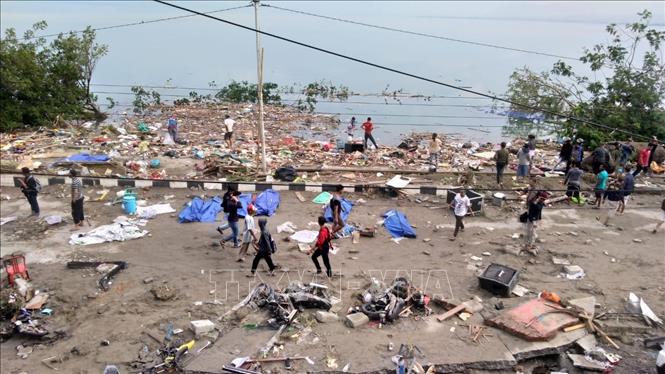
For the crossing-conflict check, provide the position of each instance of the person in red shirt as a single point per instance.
(642, 161)
(321, 248)
(368, 126)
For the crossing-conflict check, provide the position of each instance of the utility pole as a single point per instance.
(259, 74)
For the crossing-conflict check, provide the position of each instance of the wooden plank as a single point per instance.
(574, 327)
(300, 197)
(450, 313)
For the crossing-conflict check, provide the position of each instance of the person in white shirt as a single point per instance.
(228, 135)
(248, 235)
(461, 205)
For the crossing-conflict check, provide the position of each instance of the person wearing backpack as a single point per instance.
(30, 187)
(321, 247)
(266, 248)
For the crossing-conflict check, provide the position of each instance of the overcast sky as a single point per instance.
(194, 51)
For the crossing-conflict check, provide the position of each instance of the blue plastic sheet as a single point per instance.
(199, 210)
(346, 210)
(87, 158)
(266, 203)
(397, 225)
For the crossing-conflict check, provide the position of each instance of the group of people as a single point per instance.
(262, 242)
(367, 127)
(31, 188)
(228, 125)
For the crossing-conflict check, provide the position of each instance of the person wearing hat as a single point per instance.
(248, 235)
(30, 188)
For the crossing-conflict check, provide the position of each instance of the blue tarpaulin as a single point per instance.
(266, 203)
(199, 210)
(346, 210)
(87, 158)
(397, 224)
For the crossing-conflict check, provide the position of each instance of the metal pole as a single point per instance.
(259, 74)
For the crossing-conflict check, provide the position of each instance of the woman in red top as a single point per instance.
(642, 161)
(321, 248)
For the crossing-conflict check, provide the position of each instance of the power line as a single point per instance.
(421, 33)
(400, 72)
(135, 23)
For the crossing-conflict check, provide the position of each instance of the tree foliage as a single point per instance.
(245, 92)
(629, 94)
(42, 81)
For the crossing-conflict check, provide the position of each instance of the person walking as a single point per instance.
(321, 247)
(565, 154)
(30, 187)
(523, 162)
(578, 151)
(460, 205)
(662, 217)
(266, 248)
(628, 187)
(600, 156)
(501, 157)
(172, 127)
(232, 207)
(573, 183)
(601, 186)
(653, 145)
(368, 126)
(643, 161)
(228, 134)
(614, 196)
(336, 208)
(627, 150)
(77, 199)
(351, 128)
(248, 235)
(535, 203)
(435, 150)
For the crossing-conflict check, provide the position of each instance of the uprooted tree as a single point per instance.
(629, 97)
(44, 82)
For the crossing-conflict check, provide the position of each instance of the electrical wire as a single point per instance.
(407, 74)
(421, 33)
(135, 23)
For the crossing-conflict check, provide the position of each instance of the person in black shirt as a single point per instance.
(232, 206)
(30, 188)
(336, 207)
(266, 248)
(225, 199)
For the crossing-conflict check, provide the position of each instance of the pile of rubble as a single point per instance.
(138, 146)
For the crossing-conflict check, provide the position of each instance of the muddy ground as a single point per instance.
(188, 258)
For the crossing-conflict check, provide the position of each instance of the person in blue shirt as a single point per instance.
(627, 150)
(172, 127)
(601, 185)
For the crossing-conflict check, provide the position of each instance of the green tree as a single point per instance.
(245, 92)
(630, 97)
(42, 82)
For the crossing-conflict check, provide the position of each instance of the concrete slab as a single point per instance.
(588, 304)
(524, 350)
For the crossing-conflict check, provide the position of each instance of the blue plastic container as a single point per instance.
(129, 204)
